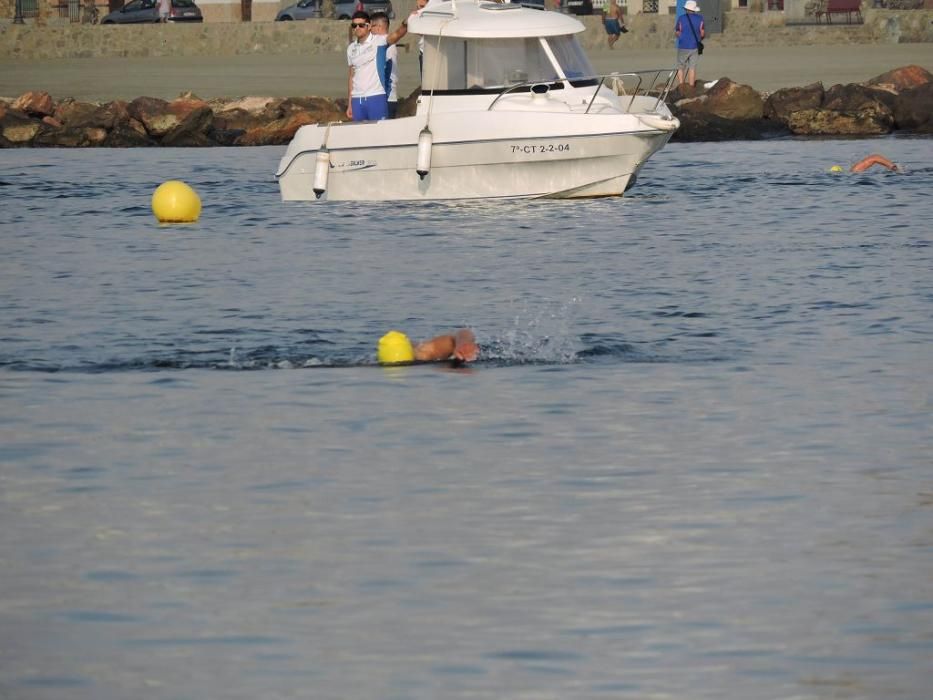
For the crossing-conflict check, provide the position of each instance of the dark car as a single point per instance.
(143, 11)
(578, 7)
(309, 9)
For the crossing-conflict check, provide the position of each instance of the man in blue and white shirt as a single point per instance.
(366, 94)
(386, 62)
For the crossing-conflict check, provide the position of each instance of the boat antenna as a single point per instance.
(437, 73)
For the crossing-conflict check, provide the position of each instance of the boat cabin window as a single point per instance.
(571, 57)
(482, 64)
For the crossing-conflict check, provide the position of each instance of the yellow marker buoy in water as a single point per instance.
(394, 348)
(174, 202)
(836, 169)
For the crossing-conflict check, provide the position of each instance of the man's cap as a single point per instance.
(691, 6)
(394, 348)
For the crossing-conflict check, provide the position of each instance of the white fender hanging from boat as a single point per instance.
(321, 171)
(425, 143)
(661, 122)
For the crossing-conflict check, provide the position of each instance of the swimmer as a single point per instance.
(875, 159)
(395, 348)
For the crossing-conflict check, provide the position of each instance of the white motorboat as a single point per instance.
(509, 107)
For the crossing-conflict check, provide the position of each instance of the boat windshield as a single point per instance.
(482, 64)
(492, 64)
(570, 56)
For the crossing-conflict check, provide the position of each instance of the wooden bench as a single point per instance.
(838, 7)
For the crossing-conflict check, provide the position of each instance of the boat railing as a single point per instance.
(646, 83)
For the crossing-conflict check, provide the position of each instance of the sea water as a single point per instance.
(694, 460)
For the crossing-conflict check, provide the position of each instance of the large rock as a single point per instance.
(847, 110)
(848, 98)
(253, 105)
(701, 126)
(275, 133)
(781, 103)
(18, 129)
(247, 112)
(726, 99)
(70, 111)
(731, 100)
(193, 129)
(87, 115)
(322, 110)
(225, 137)
(685, 92)
(903, 78)
(65, 137)
(125, 135)
(235, 120)
(829, 122)
(154, 114)
(913, 109)
(35, 104)
(185, 104)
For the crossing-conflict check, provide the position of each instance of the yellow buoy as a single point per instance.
(174, 202)
(836, 169)
(394, 348)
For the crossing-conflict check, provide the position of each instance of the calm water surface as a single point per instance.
(694, 461)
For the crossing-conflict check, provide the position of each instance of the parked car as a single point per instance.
(306, 9)
(309, 9)
(141, 11)
(577, 7)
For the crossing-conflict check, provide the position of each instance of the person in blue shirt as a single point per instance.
(690, 32)
(678, 11)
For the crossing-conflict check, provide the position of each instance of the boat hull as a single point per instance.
(520, 163)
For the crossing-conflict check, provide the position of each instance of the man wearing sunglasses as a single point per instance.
(366, 93)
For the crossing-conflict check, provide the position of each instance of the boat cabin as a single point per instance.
(474, 48)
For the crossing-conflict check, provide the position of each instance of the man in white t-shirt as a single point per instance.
(388, 66)
(366, 94)
(165, 9)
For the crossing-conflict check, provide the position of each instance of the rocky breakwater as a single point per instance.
(35, 119)
(899, 100)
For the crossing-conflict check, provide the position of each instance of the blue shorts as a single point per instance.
(613, 28)
(371, 108)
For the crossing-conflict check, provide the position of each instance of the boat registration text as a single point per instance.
(541, 148)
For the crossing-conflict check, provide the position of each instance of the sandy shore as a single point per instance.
(765, 69)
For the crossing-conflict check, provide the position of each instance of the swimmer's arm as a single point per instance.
(874, 159)
(459, 346)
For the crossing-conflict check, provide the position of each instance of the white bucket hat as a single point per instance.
(691, 6)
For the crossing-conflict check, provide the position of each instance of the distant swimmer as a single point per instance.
(395, 348)
(875, 159)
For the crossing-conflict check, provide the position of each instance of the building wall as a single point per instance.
(231, 10)
(265, 10)
(301, 38)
